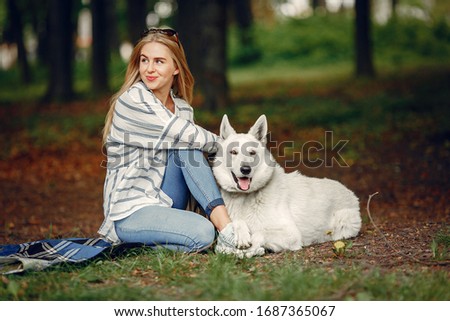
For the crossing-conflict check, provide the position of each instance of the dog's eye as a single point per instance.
(233, 152)
(253, 152)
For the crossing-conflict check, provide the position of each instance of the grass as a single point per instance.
(440, 246)
(162, 275)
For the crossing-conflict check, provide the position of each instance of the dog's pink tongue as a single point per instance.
(244, 183)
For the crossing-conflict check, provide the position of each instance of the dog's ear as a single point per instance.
(259, 129)
(225, 128)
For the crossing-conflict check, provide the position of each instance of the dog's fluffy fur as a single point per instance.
(274, 210)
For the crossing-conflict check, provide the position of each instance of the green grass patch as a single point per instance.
(50, 131)
(162, 275)
(440, 246)
(61, 129)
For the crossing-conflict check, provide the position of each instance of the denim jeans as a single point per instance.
(175, 228)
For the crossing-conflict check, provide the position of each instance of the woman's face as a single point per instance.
(157, 68)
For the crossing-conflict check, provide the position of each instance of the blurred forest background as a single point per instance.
(375, 73)
(63, 48)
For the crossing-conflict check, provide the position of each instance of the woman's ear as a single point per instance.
(176, 72)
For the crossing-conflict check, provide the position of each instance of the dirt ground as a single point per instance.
(58, 193)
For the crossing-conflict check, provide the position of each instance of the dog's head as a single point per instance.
(243, 163)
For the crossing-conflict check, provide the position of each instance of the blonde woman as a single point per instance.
(155, 159)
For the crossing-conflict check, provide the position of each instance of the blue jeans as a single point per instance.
(174, 228)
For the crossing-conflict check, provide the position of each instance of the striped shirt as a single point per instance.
(142, 132)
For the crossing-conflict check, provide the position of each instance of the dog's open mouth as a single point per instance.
(243, 183)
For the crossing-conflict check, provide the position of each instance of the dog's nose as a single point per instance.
(245, 170)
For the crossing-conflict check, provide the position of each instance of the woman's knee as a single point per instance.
(205, 236)
(155, 225)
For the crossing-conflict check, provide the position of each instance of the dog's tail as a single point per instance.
(346, 223)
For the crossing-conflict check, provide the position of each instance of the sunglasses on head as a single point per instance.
(168, 32)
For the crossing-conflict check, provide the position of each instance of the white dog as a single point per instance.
(274, 210)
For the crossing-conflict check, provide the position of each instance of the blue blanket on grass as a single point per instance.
(39, 255)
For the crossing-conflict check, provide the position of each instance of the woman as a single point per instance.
(155, 158)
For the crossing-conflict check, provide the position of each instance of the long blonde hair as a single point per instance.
(183, 85)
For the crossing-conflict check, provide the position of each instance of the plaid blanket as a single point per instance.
(39, 255)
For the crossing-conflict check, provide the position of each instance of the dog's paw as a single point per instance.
(251, 252)
(244, 241)
(260, 251)
(242, 234)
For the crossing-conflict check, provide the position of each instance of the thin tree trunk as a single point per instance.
(214, 53)
(394, 8)
(363, 44)
(136, 14)
(61, 51)
(113, 28)
(189, 31)
(17, 33)
(244, 17)
(318, 4)
(100, 46)
(202, 25)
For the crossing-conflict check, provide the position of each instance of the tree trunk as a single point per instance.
(39, 21)
(214, 53)
(61, 51)
(318, 4)
(136, 14)
(16, 26)
(100, 46)
(189, 30)
(114, 40)
(363, 45)
(248, 51)
(203, 31)
(394, 4)
(244, 16)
